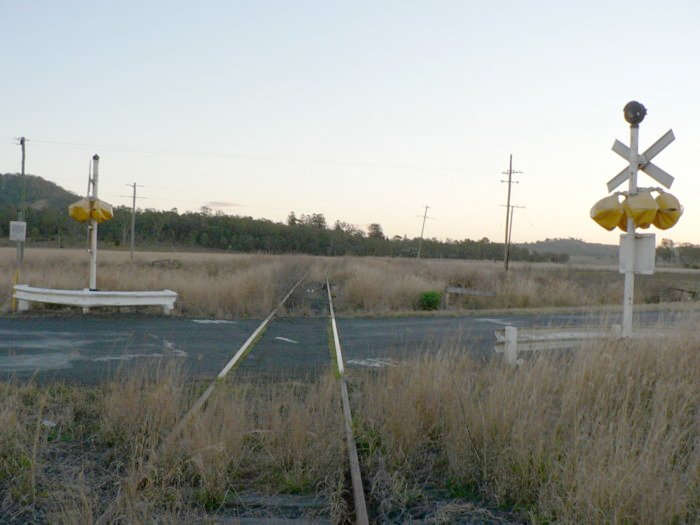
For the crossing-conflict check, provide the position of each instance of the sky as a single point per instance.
(365, 111)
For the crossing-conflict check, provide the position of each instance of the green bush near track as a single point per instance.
(430, 300)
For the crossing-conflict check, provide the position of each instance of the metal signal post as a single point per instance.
(93, 225)
(635, 248)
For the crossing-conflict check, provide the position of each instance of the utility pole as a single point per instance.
(509, 238)
(420, 242)
(133, 220)
(18, 228)
(23, 202)
(510, 182)
(133, 214)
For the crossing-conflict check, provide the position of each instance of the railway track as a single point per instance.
(357, 489)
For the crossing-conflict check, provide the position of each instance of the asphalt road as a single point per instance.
(91, 348)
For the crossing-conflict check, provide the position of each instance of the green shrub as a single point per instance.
(430, 300)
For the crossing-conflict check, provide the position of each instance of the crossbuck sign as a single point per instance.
(643, 162)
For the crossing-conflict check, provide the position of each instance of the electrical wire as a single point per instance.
(267, 158)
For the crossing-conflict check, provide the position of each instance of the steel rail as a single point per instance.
(358, 490)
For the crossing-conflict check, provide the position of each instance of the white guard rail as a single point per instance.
(87, 299)
(510, 341)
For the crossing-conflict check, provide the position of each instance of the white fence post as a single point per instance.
(616, 330)
(511, 346)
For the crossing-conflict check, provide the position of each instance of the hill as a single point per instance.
(575, 249)
(40, 193)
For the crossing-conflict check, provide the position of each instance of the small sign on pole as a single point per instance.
(18, 231)
(637, 253)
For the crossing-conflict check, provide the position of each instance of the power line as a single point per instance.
(269, 158)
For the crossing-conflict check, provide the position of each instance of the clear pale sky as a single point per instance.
(364, 111)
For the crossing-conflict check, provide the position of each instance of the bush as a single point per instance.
(430, 300)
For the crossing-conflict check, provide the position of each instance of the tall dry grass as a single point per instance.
(382, 285)
(269, 438)
(241, 285)
(608, 435)
(218, 285)
(275, 437)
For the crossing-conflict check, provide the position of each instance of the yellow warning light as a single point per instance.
(80, 210)
(623, 222)
(670, 210)
(642, 208)
(607, 212)
(86, 209)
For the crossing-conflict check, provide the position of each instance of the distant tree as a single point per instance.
(317, 220)
(375, 231)
(665, 250)
(292, 219)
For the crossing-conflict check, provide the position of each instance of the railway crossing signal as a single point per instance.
(637, 251)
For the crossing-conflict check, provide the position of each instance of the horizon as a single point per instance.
(365, 113)
(330, 223)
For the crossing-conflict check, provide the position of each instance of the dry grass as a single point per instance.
(609, 435)
(217, 285)
(282, 438)
(382, 285)
(238, 285)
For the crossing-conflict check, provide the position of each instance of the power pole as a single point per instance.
(510, 232)
(133, 215)
(509, 238)
(23, 202)
(510, 182)
(420, 242)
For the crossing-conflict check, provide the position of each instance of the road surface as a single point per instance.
(91, 348)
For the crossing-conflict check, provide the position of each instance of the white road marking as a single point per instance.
(287, 340)
(372, 363)
(213, 321)
(495, 321)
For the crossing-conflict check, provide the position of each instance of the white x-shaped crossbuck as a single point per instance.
(644, 162)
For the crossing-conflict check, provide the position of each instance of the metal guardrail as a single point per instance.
(87, 299)
(510, 341)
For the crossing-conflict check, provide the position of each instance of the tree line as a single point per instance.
(305, 233)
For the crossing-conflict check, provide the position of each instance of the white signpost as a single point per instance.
(637, 251)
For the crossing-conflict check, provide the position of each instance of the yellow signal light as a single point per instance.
(670, 210)
(607, 212)
(642, 208)
(86, 209)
